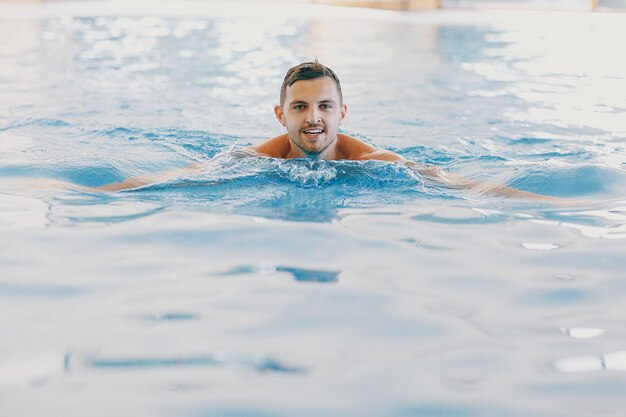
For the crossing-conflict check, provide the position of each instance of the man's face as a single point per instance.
(312, 113)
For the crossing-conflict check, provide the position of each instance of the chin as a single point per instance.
(315, 151)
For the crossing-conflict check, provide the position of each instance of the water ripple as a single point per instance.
(97, 212)
(167, 316)
(38, 290)
(258, 363)
(611, 361)
(38, 122)
(299, 274)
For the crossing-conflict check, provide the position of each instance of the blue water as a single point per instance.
(266, 287)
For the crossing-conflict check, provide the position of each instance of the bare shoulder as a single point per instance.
(277, 147)
(349, 147)
(356, 149)
(361, 151)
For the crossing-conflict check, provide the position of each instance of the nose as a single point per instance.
(313, 117)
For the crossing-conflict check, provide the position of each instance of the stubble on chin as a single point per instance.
(327, 144)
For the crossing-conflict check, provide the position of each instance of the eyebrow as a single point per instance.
(294, 102)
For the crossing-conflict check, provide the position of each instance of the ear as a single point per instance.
(278, 111)
(344, 110)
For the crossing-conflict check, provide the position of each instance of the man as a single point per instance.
(311, 109)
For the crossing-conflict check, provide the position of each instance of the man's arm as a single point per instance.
(142, 180)
(456, 181)
(277, 147)
(134, 182)
(486, 187)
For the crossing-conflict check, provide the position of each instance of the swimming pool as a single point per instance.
(288, 288)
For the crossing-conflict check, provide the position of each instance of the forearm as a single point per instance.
(139, 181)
(481, 187)
(490, 188)
(135, 182)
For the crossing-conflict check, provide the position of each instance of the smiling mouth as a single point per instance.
(313, 133)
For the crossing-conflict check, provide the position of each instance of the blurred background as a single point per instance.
(578, 5)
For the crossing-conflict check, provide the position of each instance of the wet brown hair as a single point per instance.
(308, 71)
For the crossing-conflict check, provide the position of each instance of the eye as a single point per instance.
(325, 106)
(299, 106)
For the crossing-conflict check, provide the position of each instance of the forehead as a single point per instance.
(317, 89)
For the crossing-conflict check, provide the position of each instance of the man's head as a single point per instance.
(311, 108)
(308, 71)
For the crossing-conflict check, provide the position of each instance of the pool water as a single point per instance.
(263, 287)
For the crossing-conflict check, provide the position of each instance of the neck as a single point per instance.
(327, 153)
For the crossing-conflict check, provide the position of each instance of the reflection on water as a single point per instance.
(257, 363)
(581, 332)
(612, 361)
(299, 274)
(291, 288)
(166, 316)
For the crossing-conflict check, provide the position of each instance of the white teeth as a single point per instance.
(312, 132)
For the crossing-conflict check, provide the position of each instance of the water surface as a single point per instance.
(261, 287)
